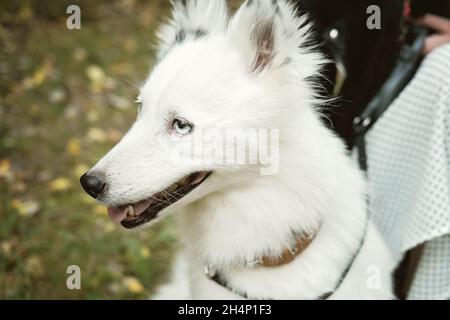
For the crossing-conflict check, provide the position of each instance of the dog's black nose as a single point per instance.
(92, 185)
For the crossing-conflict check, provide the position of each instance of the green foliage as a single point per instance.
(64, 101)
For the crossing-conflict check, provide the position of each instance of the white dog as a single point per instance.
(299, 232)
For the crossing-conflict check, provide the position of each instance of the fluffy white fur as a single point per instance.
(254, 70)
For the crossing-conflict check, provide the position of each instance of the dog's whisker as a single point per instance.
(158, 199)
(165, 194)
(130, 83)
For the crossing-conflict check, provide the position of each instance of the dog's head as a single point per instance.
(213, 73)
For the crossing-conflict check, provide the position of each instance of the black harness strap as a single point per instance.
(405, 68)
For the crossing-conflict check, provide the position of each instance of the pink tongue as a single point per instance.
(118, 214)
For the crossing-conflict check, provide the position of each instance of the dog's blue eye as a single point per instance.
(182, 127)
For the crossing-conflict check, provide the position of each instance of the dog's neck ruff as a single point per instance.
(287, 256)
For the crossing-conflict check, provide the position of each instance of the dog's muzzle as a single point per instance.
(132, 215)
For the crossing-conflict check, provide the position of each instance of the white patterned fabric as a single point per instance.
(408, 153)
(432, 280)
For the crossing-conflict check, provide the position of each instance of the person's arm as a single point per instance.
(441, 26)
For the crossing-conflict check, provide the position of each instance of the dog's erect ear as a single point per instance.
(272, 35)
(191, 20)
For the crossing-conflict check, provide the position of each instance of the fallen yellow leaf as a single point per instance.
(95, 73)
(97, 135)
(60, 184)
(99, 209)
(5, 168)
(145, 252)
(38, 76)
(79, 170)
(110, 227)
(7, 248)
(74, 147)
(25, 208)
(133, 285)
(97, 77)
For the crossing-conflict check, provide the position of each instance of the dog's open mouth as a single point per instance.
(133, 215)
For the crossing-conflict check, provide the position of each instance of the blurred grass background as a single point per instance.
(65, 99)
